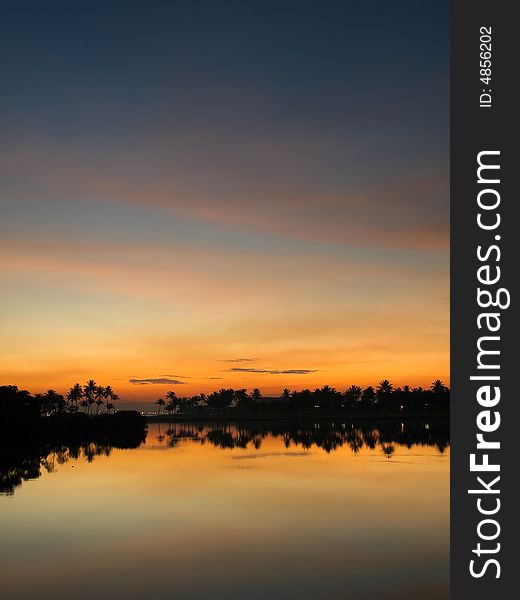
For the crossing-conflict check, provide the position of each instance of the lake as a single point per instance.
(245, 511)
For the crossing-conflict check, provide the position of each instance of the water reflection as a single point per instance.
(24, 458)
(25, 455)
(220, 510)
(327, 435)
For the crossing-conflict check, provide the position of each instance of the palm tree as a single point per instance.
(242, 398)
(368, 396)
(256, 395)
(51, 402)
(182, 404)
(384, 390)
(170, 407)
(99, 396)
(114, 397)
(109, 392)
(74, 396)
(385, 387)
(89, 392)
(286, 394)
(437, 387)
(160, 403)
(173, 402)
(354, 393)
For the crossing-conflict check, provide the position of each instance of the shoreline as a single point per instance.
(295, 418)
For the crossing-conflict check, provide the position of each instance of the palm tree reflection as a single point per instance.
(386, 435)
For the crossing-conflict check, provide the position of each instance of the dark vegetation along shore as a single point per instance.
(92, 400)
(37, 434)
(382, 401)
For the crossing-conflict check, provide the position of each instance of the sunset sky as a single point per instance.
(198, 195)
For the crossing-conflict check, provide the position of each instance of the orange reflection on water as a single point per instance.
(200, 521)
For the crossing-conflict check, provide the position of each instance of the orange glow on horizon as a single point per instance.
(111, 314)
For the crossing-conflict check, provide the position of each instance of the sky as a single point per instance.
(198, 195)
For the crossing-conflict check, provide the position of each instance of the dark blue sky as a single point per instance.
(71, 66)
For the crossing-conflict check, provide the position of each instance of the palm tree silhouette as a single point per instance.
(99, 396)
(51, 402)
(109, 392)
(256, 395)
(241, 398)
(437, 387)
(368, 396)
(173, 402)
(89, 392)
(160, 403)
(354, 393)
(385, 387)
(384, 390)
(74, 396)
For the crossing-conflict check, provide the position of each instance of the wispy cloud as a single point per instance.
(189, 377)
(361, 215)
(275, 371)
(177, 376)
(238, 360)
(156, 381)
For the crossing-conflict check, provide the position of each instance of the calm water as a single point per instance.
(208, 512)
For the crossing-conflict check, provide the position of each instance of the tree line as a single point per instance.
(89, 396)
(91, 399)
(383, 397)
